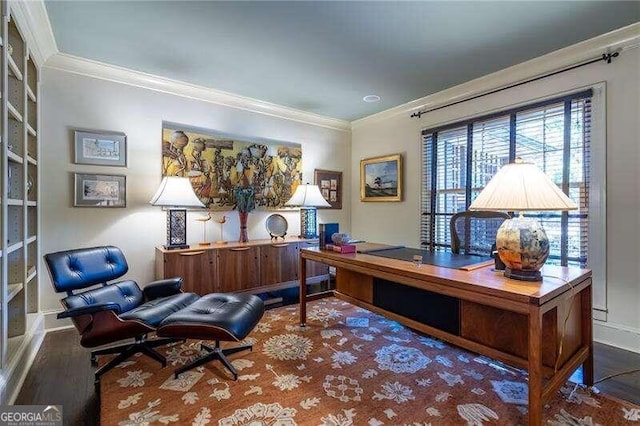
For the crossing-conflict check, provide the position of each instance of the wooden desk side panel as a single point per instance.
(353, 284)
(572, 335)
(508, 331)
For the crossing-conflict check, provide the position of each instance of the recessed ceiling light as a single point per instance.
(371, 98)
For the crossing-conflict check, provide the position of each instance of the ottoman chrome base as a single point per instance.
(214, 353)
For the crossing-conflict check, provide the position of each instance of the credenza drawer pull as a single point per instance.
(240, 249)
(279, 245)
(193, 253)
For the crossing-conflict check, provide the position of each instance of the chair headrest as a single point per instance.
(81, 268)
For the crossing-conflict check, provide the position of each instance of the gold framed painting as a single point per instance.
(381, 178)
(330, 184)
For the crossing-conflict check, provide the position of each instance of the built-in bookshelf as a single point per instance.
(19, 189)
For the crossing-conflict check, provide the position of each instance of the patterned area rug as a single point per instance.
(347, 367)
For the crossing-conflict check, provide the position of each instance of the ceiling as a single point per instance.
(324, 57)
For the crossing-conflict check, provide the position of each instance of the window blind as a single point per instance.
(461, 158)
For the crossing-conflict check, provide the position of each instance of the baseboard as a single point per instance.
(52, 323)
(617, 335)
(13, 376)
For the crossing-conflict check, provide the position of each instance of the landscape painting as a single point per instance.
(93, 190)
(381, 178)
(217, 165)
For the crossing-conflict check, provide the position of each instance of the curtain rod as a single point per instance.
(607, 57)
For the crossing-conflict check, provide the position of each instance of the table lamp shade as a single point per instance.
(307, 197)
(522, 243)
(176, 193)
(522, 187)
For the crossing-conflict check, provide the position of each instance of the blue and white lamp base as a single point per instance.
(308, 222)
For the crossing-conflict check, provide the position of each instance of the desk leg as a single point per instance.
(587, 334)
(303, 291)
(535, 365)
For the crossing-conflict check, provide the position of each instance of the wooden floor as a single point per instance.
(62, 374)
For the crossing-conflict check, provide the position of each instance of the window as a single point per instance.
(459, 160)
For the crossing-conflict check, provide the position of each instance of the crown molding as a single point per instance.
(100, 70)
(620, 39)
(33, 15)
(33, 21)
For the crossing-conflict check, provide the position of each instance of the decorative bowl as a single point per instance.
(340, 239)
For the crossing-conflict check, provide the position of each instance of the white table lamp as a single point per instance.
(175, 193)
(522, 243)
(307, 197)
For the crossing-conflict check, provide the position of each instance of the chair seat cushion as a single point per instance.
(126, 294)
(217, 316)
(154, 311)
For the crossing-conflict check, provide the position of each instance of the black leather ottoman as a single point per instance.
(219, 317)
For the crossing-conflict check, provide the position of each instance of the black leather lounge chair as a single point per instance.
(115, 311)
(121, 310)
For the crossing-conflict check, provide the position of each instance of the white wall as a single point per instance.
(70, 100)
(399, 223)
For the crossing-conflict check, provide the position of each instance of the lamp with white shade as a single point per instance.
(307, 197)
(176, 193)
(522, 243)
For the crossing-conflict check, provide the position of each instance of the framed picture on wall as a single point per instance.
(100, 148)
(330, 184)
(91, 190)
(381, 178)
(217, 164)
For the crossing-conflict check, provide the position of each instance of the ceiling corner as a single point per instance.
(34, 21)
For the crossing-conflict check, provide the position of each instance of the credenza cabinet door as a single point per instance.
(279, 263)
(314, 269)
(238, 268)
(197, 268)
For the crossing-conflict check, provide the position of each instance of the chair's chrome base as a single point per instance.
(215, 353)
(124, 352)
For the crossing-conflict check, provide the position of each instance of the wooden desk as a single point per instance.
(520, 323)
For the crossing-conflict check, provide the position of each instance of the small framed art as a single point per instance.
(91, 190)
(100, 148)
(381, 178)
(330, 184)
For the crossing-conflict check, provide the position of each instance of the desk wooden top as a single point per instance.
(556, 279)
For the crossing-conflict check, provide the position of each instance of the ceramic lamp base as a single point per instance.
(523, 275)
(523, 246)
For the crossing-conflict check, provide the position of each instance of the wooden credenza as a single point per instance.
(255, 266)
